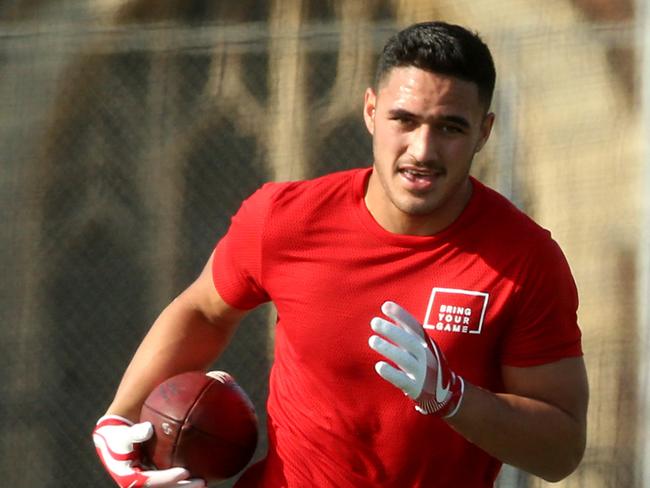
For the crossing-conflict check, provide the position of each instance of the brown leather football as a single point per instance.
(203, 422)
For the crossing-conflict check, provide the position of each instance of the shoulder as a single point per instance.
(303, 195)
(512, 241)
(339, 181)
(506, 223)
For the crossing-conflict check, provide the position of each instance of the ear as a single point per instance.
(369, 106)
(486, 129)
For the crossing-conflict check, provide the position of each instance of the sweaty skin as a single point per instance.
(426, 130)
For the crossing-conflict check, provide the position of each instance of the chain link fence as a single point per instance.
(127, 147)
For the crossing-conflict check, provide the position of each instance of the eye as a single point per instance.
(404, 121)
(450, 129)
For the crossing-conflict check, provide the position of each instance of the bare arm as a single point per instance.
(189, 334)
(539, 425)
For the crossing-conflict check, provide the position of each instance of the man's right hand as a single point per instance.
(117, 441)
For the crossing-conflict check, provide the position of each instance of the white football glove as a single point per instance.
(117, 443)
(422, 372)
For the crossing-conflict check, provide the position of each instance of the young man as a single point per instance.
(426, 328)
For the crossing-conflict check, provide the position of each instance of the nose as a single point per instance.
(422, 145)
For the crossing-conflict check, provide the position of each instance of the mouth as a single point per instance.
(419, 178)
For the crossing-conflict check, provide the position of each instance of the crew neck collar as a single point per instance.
(360, 183)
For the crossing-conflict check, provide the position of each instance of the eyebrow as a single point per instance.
(455, 119)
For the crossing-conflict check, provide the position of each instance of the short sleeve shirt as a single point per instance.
(492, 289)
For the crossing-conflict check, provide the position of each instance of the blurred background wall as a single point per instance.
(130, 131)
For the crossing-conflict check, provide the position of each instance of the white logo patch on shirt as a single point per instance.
(454, 310)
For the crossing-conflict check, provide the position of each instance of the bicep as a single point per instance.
(202, 295)
(562, 384)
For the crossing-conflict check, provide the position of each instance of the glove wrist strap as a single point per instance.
(450, 407)
(113, 419)
(454, 405)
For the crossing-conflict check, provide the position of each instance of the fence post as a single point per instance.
(643, 53)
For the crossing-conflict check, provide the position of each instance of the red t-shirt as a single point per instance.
(491, 289)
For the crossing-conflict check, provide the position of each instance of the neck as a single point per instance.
(397, 221)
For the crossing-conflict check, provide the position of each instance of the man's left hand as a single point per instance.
(422, 372)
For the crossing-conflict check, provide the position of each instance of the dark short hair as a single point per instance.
(441, 48)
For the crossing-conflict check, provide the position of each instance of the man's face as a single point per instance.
(426, 129)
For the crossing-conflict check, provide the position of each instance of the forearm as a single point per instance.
(529, 434)
(182, 338)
